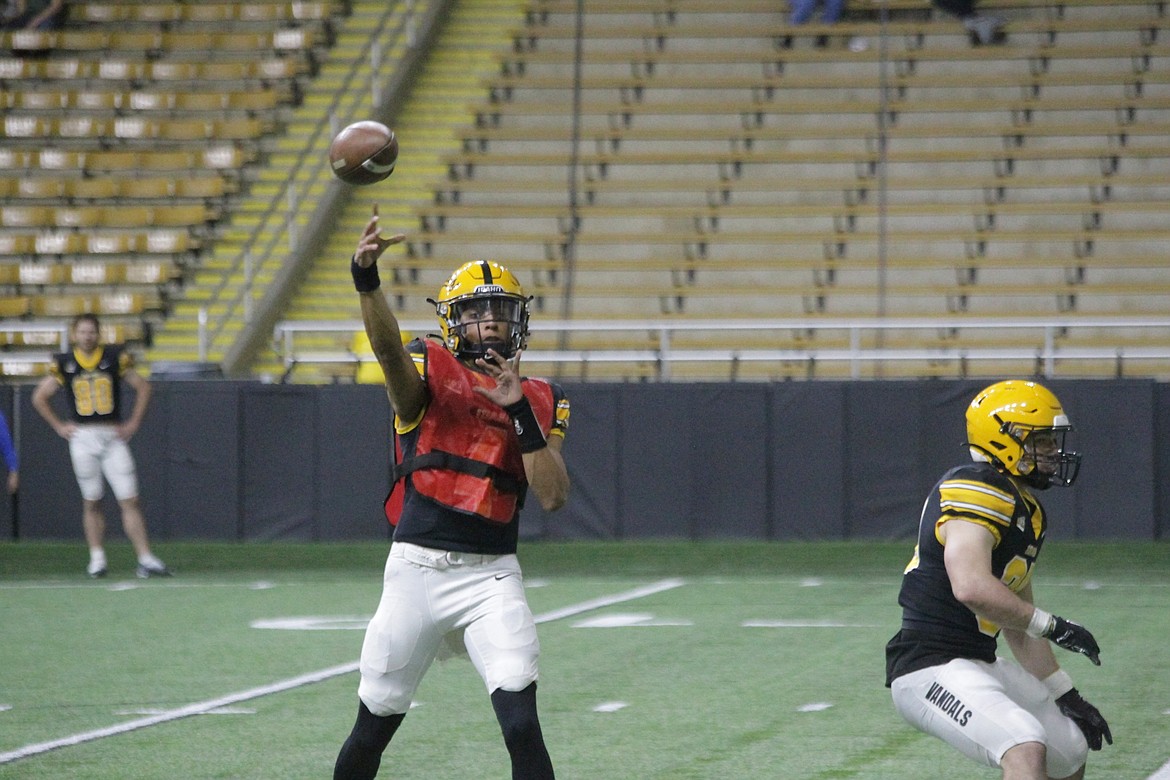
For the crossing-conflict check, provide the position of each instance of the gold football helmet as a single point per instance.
(1020, 428)
(481, 307)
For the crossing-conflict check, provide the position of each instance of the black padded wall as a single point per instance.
(798, 460)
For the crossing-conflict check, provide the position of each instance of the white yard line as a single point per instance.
(200, 708)
(1162, 774)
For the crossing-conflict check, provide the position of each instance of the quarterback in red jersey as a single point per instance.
(473, 438)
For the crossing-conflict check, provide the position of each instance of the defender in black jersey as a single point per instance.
(474, 440)
(969, 580)
(92, 375)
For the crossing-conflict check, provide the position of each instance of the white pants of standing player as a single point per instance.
(434, 602)
(96, 451)
(1001, 706)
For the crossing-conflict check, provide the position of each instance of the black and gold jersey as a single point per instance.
(937, 627)
(93, 383)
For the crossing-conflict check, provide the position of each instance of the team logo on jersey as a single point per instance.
(949, 703)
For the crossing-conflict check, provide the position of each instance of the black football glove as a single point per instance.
(1086, 716)
(1075, 637)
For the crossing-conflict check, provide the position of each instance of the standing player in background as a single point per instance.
(474, 437)
(92, 375)
(971, 579)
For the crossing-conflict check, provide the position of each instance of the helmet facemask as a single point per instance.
(483, 322)
(1044, 460)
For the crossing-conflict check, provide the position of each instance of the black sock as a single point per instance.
(516, 711)
(361, 754)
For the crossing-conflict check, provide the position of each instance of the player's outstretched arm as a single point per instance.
(404, 386)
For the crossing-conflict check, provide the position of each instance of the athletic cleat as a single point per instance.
(95, 573)
(145, 571)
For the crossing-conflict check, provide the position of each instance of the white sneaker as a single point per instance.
(153, 569)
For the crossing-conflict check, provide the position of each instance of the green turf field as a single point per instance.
(661, 661)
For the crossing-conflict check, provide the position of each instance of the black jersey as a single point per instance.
(937, 627)
(93, 384)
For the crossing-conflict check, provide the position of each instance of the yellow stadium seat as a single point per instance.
(83, 127)
(155, 100)
(369, 372)
(128, 217)
(95, 100)
(13, 159)
(40, 188)
(86, 40)
(209, 12)
(149, 272)
(15, 306)
(25, 126)
(61, 305)
(94, 272)
(110, 242)
(181, 130)
(78, 217)
(59, 242)
(201, 101)
(154, 187)
(47, 100)
(201, 187)
(59, 160)
(41, 273)
(16, 244)
(25, 216)
(93, 189)
(171, 70)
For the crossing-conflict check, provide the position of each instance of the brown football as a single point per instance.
(363, 153)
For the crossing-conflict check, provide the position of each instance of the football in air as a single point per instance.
(363, 153)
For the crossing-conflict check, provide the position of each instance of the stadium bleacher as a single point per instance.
(126, 137)
(726, 164)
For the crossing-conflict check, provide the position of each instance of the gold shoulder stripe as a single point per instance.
(979, 498)
(982, 487)
(994, 529)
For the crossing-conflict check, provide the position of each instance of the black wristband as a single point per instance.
(364, 279)
(527, 428)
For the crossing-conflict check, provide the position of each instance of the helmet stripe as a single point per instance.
(487, 271)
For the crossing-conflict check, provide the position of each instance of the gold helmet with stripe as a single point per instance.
(481, 307)
(1020, 428)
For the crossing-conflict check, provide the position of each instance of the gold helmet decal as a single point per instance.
(482, 306)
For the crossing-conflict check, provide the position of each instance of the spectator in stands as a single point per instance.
(800, 11)
(34, 14)
(985, 27)
(10, 458)
(92, 375)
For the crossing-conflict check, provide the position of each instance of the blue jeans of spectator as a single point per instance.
(802, 10)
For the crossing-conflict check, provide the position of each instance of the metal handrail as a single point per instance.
(1045, 352)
